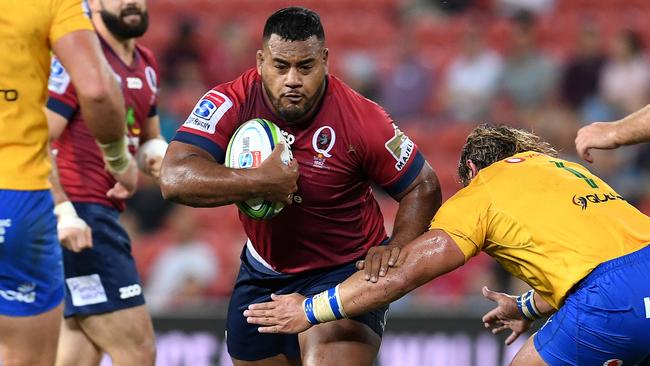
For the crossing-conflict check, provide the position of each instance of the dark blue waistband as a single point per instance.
(641, 255)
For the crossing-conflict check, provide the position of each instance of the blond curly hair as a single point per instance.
(487, 144)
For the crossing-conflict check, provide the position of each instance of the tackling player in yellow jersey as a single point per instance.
(582, 248)
(31, 274)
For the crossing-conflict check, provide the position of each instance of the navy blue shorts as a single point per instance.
(256, 283)
(31, 274)
(104, 278)
(606, 320)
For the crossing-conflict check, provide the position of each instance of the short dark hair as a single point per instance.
(487, 144)
(294, 24)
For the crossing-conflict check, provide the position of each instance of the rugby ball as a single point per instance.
(248, 147)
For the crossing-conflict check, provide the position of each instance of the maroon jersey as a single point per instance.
(79, 160)
(350, 143)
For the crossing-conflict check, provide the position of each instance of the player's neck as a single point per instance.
(123, 48)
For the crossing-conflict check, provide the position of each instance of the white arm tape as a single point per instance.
(67, 217)
(151, 148)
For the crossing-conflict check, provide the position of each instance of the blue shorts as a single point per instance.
(104, 278)
(255, 284)
(31, 274)
(606, 318)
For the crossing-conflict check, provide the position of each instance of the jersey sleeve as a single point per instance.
(62, 96)
(465, 217)
(390, 159)
(68, 16)
(211, 123)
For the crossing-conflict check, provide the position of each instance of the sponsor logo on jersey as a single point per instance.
(133, 83)
(59, 78)
(584, 201)
(24, 293)
(208, 111)
(127, 292)
(152, 80)
(4, 225)
(515, 160)
(400, 147)
(86, 290)
(9, 95)
(613, 362)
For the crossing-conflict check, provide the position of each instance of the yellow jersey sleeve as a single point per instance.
(68, 17)
(465, 218)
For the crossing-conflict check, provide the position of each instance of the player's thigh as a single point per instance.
(75, 348)
(127, 332)
(528, 356)
(341, 342)
(30, 340)
(278, 360)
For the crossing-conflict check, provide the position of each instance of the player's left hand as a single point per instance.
(284, 314)
(119, 192)
(505, 316)
(377, 261)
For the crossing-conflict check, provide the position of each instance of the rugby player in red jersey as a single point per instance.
(341, 143)
(104, 305)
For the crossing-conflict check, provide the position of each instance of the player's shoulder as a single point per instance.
(351, 101)
(147, 54)
(239, 89)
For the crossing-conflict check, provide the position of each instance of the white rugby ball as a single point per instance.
(248, 147)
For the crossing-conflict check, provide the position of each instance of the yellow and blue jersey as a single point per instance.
(547, 221)
(28, 29)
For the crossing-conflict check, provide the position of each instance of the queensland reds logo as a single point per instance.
(613, 362)
(323, 141)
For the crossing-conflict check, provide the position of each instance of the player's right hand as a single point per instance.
(280, 179)
(127, 181)
(505, 316)
(74, 234)
(598, 135)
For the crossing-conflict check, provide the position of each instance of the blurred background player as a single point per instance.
(31, 279)
(104, 308)
(584, 250)
(341, 142)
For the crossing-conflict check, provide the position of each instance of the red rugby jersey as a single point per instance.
(350, 143)
(79, 160)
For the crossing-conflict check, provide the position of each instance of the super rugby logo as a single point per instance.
(583, 201)
(59, 78)
(247, 158)
(208, 111)
(150, 75)
(400, 147)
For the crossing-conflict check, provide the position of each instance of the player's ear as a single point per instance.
(326, 54)
(473, 170)
(259, 57)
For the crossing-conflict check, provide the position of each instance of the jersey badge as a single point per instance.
(323, 142)
(59, 78)
(400, 147)
(208, 111)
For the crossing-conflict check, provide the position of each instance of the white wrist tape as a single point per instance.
(116, 155)
(67, 217)
(150, 149)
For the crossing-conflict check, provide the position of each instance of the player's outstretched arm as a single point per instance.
(101, 100)
(190, 175)
(427, 257)
(632, 129)
(417, 205)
